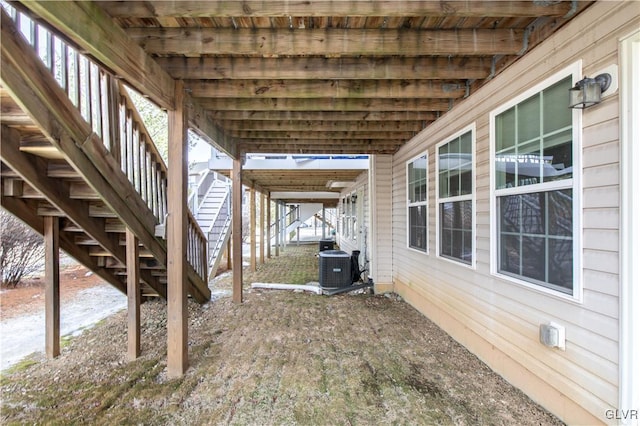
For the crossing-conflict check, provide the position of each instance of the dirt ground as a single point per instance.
(279, 358)
(28, 296)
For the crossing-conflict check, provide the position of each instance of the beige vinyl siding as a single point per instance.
(498, 319)
(380, 231)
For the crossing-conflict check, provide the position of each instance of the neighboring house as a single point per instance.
(511, 212)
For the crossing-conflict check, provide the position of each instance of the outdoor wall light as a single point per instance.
(588, 91)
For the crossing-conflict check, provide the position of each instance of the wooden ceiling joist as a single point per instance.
(347, 68)
(285, 8)
(320, 77)
(350, 147)
(322, 126)
(330, 42)
(360, 116)
(325, 104)
(324, 136)
(377, 89)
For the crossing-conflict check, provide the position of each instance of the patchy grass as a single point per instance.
(279, 358)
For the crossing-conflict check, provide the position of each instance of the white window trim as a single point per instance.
(409, 204)
(470, 128)
(575, 70)
(629, 395)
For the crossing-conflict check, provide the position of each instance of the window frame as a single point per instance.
(409, 204)
(468, 197)
(575, 184)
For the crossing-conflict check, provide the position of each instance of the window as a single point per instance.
(455, 176)
(417, 203)
(534, 147)
(354, 216)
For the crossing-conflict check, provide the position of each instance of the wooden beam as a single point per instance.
(376, 8)
(329, 41)
(280, 88)
(202, 123)
(87, 25)
(324, 116)
(133, 296)
(323, 126)
(252, 229)
(283, 136)
(52, 286)
(362, 68)
(177, 313)
(318, 144)
(236, 232)
(326, 104)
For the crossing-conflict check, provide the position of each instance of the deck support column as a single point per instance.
(324, 222)
(52, 286)
(268, 225)
(229, 263)
(253, 229)
(133, 296)
(262, 227)
(236, 233)
(177, 315)
(277, 230)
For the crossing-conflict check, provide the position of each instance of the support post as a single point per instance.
(52, 286)
(324, 223)
(229, 263)
(253, 229)
(236, 233)
(262, 226)
(277, 230)
(269, 225)
(133, 296)
(283, 228)
(177, 315)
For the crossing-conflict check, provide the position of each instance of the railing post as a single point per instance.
(177, 351)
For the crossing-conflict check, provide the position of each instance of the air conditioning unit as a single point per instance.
(335, 269)
(326, 245)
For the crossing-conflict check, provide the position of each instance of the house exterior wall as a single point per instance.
(380, 195)
(361, 241)
(498, 319)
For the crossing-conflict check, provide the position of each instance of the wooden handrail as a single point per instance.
(104, 104)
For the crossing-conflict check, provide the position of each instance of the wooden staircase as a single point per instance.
(74, 147)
